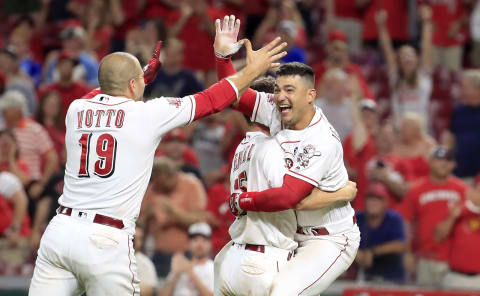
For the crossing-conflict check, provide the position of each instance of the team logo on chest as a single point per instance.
(301, 156)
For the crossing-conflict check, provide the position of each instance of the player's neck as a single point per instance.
(438, 179)
(305, 121)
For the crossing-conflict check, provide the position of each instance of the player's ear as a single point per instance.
(311, 95)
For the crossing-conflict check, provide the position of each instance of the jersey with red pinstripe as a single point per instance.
(110, 149)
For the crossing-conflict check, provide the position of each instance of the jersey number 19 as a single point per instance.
(106, 150)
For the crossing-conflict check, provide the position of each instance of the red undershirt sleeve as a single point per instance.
(214, 99)
(248, 99)
(276, 199)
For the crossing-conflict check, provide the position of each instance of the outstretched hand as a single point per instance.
(151, 69)
(226, 34)
(266, 57)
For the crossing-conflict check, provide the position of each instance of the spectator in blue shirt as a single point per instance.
(383, 240)
(173, 80)
(289, 31)
(465, 126)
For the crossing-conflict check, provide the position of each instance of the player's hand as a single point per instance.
(266, 57)
(151, 69)
(226, 34)
(350, 191)
(381, 17)
(425, 13)
(235, 205)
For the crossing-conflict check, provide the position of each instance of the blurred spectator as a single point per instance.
(51, 116)
(16, 80)
(14, 225)
(191, 277)
(145, 267)
(465, 127)
(175, 200)
(207, 139)
(141, 41)
(235, 129)
(283, 19)
(193, 24)
(475, 33)
(68, 89)
(255, 11)
(10, 160)
(36, 148)
(428, 203)
(125, 16)
(383, 238)
(410, 77)
(74, 43)
(463, 227)
(397, 23)
(414, 144)
(338, 57)
(450, 19)
(347, 15)
(335, 101)
(173, 80)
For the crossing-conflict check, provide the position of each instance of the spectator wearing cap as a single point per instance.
(465, 127)
(288, 31)
(462, 227)
(145, 267)
(347, 15)
(68, 89)
(74, 44)
(173, 79)
(383, 238)
(427, 204)
(193, 276)
(173, 201)
(338, 57)
(16, 80)
(36, 149)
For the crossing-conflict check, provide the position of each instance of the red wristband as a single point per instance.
(246, 201)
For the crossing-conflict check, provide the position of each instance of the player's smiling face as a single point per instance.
(294, 99)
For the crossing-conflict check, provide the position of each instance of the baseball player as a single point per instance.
(111, 140)
(328, 238)
(261, 242)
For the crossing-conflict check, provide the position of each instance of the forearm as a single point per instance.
(187, 218)
(393, 247)
(118, 17)
(398, 188)
(386, 45)
(319, 199)
(202, 289)
(14, 169)
(359, 132)
(167, 290)
(20, 204)
(41, 213)
(51, 166)
(174, 30)
(427, 45)
(443, 229)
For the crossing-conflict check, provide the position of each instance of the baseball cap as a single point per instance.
(289, 27)
(13, 99)
(175, 134)
(377, 190)
(200, 228)
(73, 32)
(442, 152)
(337, 35)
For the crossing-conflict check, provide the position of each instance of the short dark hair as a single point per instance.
(296, 68)
(264, 84)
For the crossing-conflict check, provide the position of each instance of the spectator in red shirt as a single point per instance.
(347, 15)
(338, 57)
(450, 19)
(51, 116)
(68, 89)
(410, 78)
(427, 204)
(463, 228)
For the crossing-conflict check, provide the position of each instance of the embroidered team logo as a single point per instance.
(288, 163)
(177, 102)
(307, 153)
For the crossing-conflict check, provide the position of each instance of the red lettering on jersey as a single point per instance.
(99, 115)
(88, 118)
(80, 119)
(250, 152)
(110, 112)
(119, 119)
(235, 162)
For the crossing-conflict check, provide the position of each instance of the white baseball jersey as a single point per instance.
(314, 154)
(258, 165)
(110, 149)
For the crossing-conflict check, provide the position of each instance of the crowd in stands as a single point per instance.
(396, 78)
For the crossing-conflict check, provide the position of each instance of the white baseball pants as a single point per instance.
(318, 261)
(241, 272)
(78, 256)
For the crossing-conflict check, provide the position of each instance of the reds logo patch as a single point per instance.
(177, 102)
(288, 163)
(307, 153)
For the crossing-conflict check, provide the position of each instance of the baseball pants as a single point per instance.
(78, 256)
(243, 272)
(318, 261)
